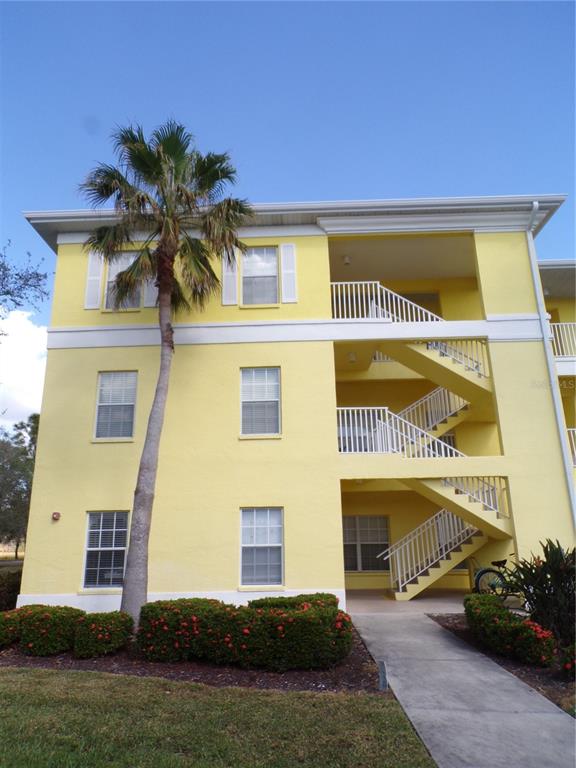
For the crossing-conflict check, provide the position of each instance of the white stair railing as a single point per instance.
(380, 357)
(491, 491)
(425, 546)
(471, 353)
(379, 430)
(369, 299)
(572, 441)
(564, 339)
(433, 408)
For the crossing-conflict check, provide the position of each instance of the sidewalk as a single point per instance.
(468, 711)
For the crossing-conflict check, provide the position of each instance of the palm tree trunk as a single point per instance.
(135, 589)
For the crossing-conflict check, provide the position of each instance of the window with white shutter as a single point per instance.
(229, 281)
(260, 276)
(114, 268)
(262, 536)
(260, 398)
(116, 404)
(288, 264)
(106, 549)
(365, 536)
(92, 296)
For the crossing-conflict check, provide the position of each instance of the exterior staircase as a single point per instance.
(430, 551)
(480, 501)
(437, 412)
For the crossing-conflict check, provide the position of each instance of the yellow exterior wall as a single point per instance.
(561, 310)
(503, 266)
(459, 297)
(206, 472)
(394, 394)
(313, 276)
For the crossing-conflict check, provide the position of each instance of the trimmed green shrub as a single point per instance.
(9, 587)
(9, 628)
(318, 599)
(302, 636)
(548, 584)
(100, 633)
(506, 633)
(46, 629)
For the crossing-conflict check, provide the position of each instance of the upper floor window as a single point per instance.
(116, 404)
(260, 396)
(114, 268)
(260, 276)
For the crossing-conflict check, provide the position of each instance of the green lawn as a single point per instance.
(55, 719)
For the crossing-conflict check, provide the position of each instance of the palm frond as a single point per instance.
(129, 283)
(105, 182)
(174, 140)
(212, 173)
(198, 274)
(110, 239)
(220, 225)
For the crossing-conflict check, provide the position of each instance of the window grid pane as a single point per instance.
(260, 276)
(261, 554)
(106, 549)
(365, 536)
(114, 268)
(260, 398)
(116, 403)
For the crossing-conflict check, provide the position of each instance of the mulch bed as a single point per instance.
(357, 673)
(546, 680)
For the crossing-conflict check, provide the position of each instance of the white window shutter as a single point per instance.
(93, 281)
(230, 281)
(288, 262)
(150, 293)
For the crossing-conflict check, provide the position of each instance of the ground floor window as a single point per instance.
(106, 549)
(364, 538)
(262, 536)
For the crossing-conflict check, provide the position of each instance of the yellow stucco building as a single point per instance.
(377, 376)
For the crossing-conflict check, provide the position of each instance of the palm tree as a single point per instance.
(166, 189)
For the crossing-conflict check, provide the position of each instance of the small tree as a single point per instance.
(17, 451)
(19, 285)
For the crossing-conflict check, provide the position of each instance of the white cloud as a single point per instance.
(22, 366)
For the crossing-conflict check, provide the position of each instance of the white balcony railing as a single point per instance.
(433, 408)
(471, 353)
(572, 442)
(564, 339)
(369, 300)
(491, 492)
(379, 430)
(429, 543)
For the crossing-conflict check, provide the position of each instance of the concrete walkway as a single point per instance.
(468, 711)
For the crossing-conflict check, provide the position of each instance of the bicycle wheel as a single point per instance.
(490, 582)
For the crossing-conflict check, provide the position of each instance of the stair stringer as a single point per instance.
(440, 369)
(442, 567)
(486, 520)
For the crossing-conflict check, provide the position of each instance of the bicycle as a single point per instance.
(493, 581)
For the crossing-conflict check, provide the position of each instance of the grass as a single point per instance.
(56, 719)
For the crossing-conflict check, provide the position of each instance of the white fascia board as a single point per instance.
(446, 222)
(527, 329)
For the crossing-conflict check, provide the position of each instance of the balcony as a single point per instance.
(370, 300)
(564, 347)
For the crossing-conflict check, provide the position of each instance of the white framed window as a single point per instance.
(116, 404)
(364, 538)
(114, 268)
(262, 543)
(106, 549)
(260, 401)
(260, 275)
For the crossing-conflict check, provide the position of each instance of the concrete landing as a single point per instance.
(468, 711)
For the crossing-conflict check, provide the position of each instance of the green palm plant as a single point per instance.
(175, 197)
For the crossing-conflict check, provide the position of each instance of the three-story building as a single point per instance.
(375, 377)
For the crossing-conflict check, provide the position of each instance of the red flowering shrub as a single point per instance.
(9, 628)
(319, 599)
(566, 660)
(46, 629)
(100, 633)
(506, 633)
(270, 636)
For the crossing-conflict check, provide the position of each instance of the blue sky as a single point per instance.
(314, 101)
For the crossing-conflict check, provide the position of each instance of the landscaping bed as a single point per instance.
(357, 672)
(548, 681)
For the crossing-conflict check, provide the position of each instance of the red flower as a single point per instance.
(280, 628)
(245, 631)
